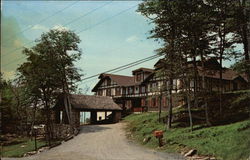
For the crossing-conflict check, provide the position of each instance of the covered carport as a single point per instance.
(86, 103)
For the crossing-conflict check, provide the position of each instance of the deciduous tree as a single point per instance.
(50, 69)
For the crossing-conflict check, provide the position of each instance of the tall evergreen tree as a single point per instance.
(242, 27)
(163, 15)
(183, 28)
(223, 28)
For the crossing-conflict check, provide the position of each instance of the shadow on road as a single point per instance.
(92, 128)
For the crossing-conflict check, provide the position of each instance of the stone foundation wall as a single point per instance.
(61, 131)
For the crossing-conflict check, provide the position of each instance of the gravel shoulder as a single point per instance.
(101, 142)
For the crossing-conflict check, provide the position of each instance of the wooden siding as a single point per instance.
(148, 92)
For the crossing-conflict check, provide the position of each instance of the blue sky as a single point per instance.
(116, 41)
(107, 41)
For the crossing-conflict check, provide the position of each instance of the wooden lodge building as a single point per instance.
(141, 91)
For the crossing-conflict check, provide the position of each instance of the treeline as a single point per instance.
(48, 72)
(16, 109)
(191, 30)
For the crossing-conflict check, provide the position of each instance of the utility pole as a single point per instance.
(248, 26)
(1, 126)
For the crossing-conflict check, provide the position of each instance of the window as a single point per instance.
(130, 90)
(153, 102)
(61, 116)
(149, 88)
(123, 90)
(175, 84)
(117, 91)
(112, 91)
(108, 92)
(192, 84)
(108, 82)
(136, 90)
(99, 92)
(143, 89)
(138, 77)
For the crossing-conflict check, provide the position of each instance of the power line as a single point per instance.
(90, 79)
(106, 19)
(84, 15)
(135, 64)
(17, 48)
(17, 59)
(46, 18)
(84, 29)
(117, 68)
(123, 67)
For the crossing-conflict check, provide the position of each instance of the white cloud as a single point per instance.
(8, 74)
(39, 27)
(60, 28)
(139, 13)
(133, 38)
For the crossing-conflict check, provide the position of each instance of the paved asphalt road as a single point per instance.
(100, 142)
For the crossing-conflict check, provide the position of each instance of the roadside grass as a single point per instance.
(239, 91)
(228, 142)
(18, 150)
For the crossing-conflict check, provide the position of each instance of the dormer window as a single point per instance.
(138, 77)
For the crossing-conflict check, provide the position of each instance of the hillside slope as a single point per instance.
(228, 139)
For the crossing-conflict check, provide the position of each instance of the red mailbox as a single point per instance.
(158, 134)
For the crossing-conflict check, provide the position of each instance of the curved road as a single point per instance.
(100, 142)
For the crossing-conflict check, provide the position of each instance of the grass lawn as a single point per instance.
(227, 142)
(17, 150)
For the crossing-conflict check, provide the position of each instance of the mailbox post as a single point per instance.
(35, 134)
(35, 128)
(159, 134)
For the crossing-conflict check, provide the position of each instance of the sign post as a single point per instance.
(159, 134)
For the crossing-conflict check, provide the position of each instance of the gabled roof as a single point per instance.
(148, 78)
(89, 102)
(227, 74)
(159, 63)
(119, 79)
(143, 69)
(211, 63)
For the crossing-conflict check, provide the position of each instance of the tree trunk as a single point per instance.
(195, 83)
(204, 90)
(0, 119)
(170, 106)
(48, 122)
(160, 107)
(189, 106)
(221, 85)
(244, 35)
(15, 93)
(66, 107)
(221, 48)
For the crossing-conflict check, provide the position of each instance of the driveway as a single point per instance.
(100, 142)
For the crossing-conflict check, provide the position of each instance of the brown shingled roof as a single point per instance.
(227, 74)
(90, 102)
(120, 79)
(143, 69)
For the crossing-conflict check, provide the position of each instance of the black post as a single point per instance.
(160, 141)
(35, 141)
